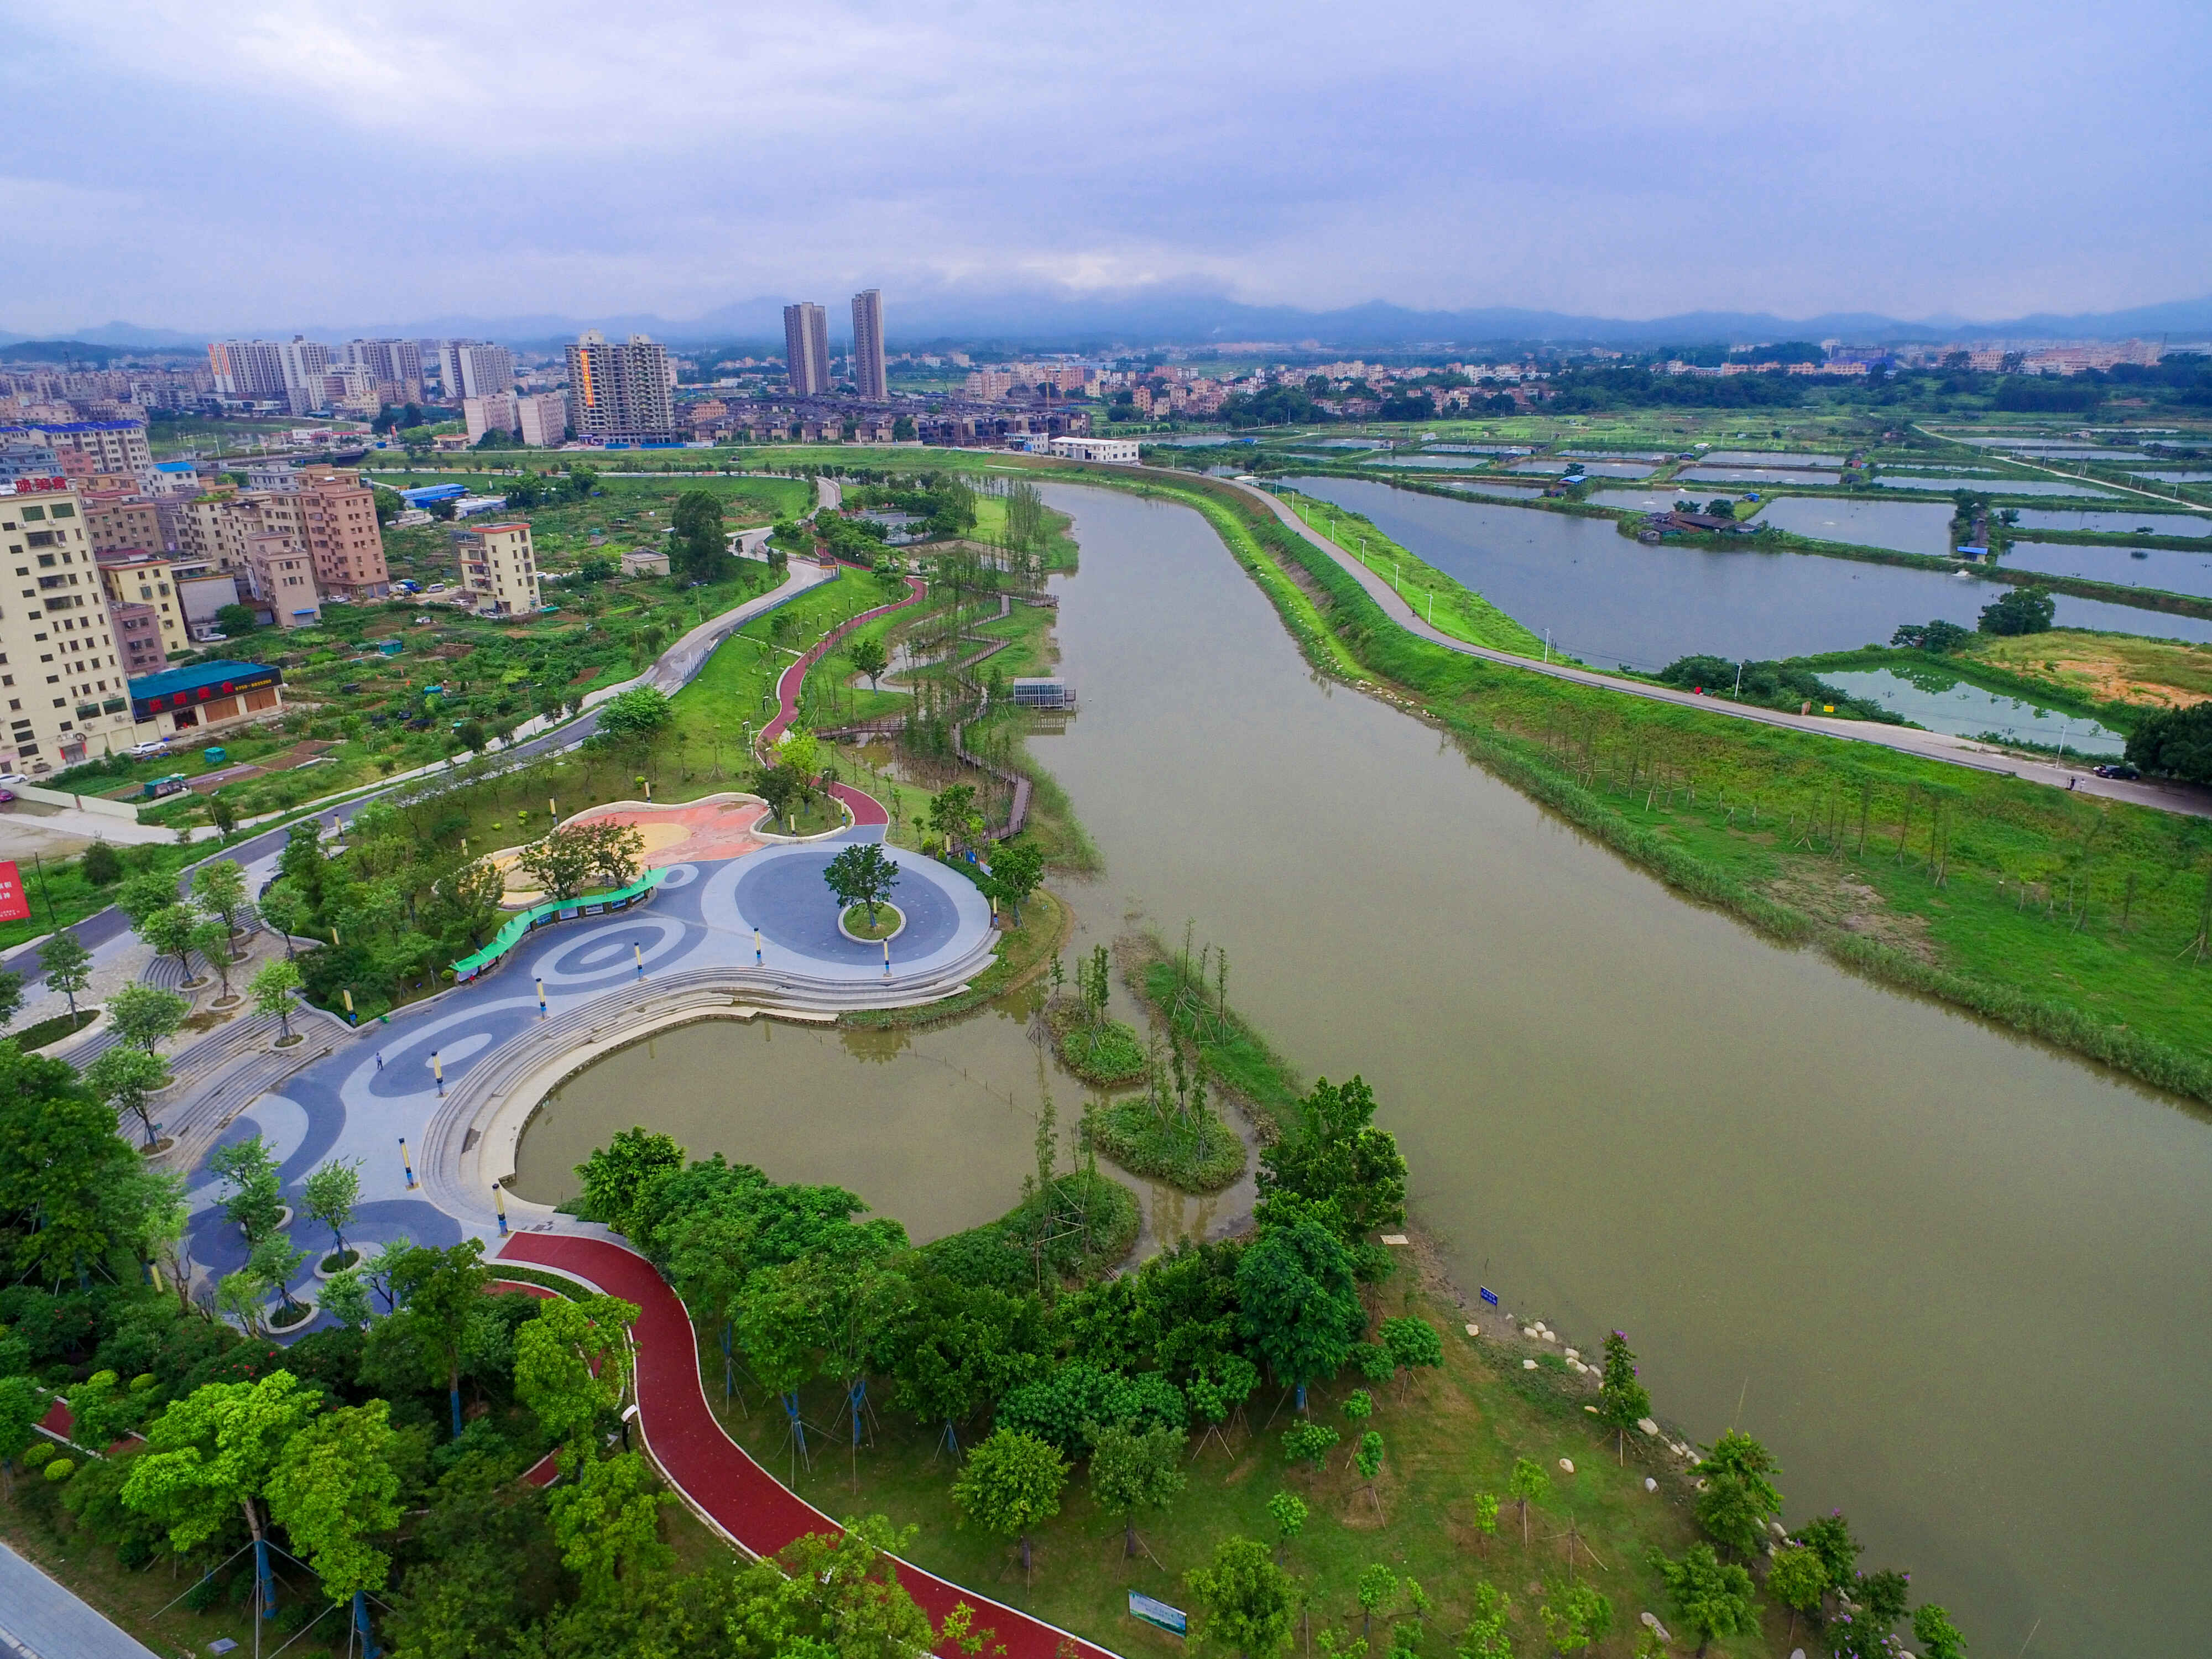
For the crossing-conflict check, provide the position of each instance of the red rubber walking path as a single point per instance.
(743, 1501)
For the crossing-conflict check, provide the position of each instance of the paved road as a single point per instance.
(1930, 745)
(674, 669)
(39, 1619)
(719, 1481)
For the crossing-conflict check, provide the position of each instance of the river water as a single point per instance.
(1954, 1279)
(1608, 600)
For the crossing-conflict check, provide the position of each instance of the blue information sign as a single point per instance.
(1491, 1296)
(1173, 1621)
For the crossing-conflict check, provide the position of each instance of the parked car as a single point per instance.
(141, 751)
(2120, 770)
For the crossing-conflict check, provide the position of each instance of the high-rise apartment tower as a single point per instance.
(620, 394)
(806, 348)
(868, 374)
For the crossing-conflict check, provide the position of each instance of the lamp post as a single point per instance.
(438, 1071)
(499, 1202)
(638, 951)
(541, 996)
(406, 1166)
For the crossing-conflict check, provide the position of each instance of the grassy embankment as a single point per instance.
(2064, 916)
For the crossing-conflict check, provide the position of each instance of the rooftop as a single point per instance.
(171, 681)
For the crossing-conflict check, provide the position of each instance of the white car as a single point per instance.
(141, 751)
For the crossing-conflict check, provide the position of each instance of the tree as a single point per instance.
(1373, 1590)
(1712, 1598)
(1529, 1481)
(146, 1014)
(1288, 1511)
(1300, 1307)
(639, 712)
(168, 931)
(620, 1177)
(861, 874)
(144, 893)
(1581, 1618)
(1367, 1458)
(1622, 1401)
(334, 1487)
(210, 1455)
(1485, 1518)
(1017, 867)
(1246, 1602)
(1796, 1578)
(801, 750)
(1011, 1482)
(211, 937)
(699, 550)
(2175, 743)
(1739, 1497)
(101, 865)
(1308, 1443)
(1133, 1469)
(1938, 1636)
(284, 909)
(124, 1078)
(271, 1269)
(1487, 1636)
(345, 1297)
(2023, 610)
(869, 656)
(67, 965)
(1412, 1342)
(331, 1191)
(1336, 1155)
(219, 888)
(1829, 1538)
(271, 989)
(559, 863)
(606, 1522)
(442, 1290)
(949, 812)
(67, 1179)
(956, 1348)
(255, 1204)
(236, 621)
(782, 789)
(572, 1365)
(21, 1405)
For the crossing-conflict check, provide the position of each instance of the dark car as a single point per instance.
(2120, 770)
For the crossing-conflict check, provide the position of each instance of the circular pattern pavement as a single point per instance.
(785, 897)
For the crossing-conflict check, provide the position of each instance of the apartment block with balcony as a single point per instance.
(62, 678)
(499, 569)
(282, 576)
(136, 576)
(139, 637)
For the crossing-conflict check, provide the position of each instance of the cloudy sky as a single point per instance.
(214, 164)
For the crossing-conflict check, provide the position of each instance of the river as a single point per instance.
(1608, 600)
(1954, 1279)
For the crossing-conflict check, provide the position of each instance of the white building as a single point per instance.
(61, 672)
(542, 419)
(493, 412)
(499, 569)
(1112, 452)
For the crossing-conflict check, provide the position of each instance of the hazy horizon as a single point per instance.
(210, 167)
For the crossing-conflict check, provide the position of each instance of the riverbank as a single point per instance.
(1973, 888)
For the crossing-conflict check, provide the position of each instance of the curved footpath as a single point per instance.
(793, 681)
(1928, 745)
(718, 1479)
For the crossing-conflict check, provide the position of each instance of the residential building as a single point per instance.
(61, 671)
(283, 577)
(169, 480)
(338, 519)
(134, 576)
(395, 367)
(115, 520)
(541, 419)
(989, 384)
(307, 365)
(252, 370)
(139, 637)
(619, 394)
(103, 446)
(475, 368)
(806, 350)
(21, 459)
(203, 699)
(644, 562)
(272, 478)
(202, 593)
(494, 412)
(868, 373)
(499, 569)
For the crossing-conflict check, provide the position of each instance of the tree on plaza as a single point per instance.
(146, 1014)
(285, 910)
(1011, 1482)
(1247, 1604)
(1712, 1599)
(330, 1194)
(144, 893)
(219, 888)
(211, 937)
(271, 1269)
(1738, 1497)
(124, 1078)
(559, 863)
(210, 1455)
(345, 1297)
(861, 874)
(1135, 1468)
(782, 788)
(255, 1203)
(1529, 1481)
(1622, 1401)
(168, 933)
(271, 989)
(1017, 867)
(67, 965)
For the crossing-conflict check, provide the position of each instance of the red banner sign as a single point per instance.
(14, 902)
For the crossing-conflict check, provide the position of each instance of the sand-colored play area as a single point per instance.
(693, 831)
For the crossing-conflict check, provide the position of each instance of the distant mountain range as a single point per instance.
(1040, 321)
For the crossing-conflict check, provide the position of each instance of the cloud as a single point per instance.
(208, 164)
